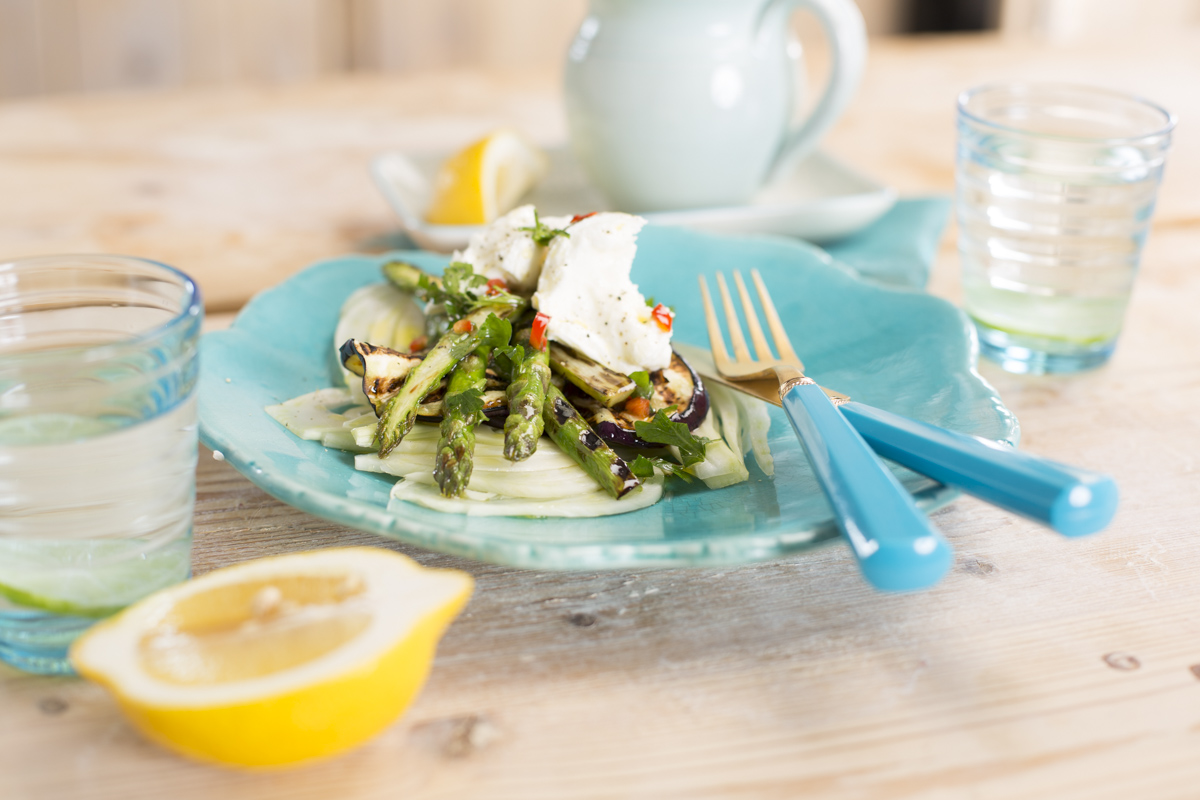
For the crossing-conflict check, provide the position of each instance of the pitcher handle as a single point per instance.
(847, 35)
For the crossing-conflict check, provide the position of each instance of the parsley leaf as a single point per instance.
(507, 359)
(643, 467)
(449, 292)
(541, 233)
(467, 404)
(662, 430)
(494, 332)
(461, 291)
(641, 380)
(460, 278)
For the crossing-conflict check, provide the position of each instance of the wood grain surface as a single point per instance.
(1040, 668)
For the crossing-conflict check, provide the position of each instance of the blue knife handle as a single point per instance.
(896, 546)
(1072, 501)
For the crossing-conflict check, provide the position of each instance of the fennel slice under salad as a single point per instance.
(476, 357)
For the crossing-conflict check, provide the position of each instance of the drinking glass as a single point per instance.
(97, 444)
(1055, 190)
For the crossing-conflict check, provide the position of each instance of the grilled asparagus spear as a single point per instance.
(485, 326)
(406, 276)
(569, 431)
(462, 410)
(526, 397)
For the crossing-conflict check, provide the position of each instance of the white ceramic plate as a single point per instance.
(820, 200)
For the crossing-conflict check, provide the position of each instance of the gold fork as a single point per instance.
(896, 546)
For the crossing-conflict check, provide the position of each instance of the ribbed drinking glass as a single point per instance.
(1056, 186)
(97, 444)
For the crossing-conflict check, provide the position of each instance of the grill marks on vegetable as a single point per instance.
(678, 387)
(562, 410)
(568, 430)
(382, 369)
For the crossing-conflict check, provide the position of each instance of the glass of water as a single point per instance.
(97, 444)
(1055, 190)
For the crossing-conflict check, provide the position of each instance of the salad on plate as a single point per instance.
(531, 378)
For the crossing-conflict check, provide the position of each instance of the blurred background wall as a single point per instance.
(53, 46)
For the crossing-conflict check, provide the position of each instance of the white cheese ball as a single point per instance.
(593, 305)
(502, 250)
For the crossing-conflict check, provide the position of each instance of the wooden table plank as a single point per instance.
(1040, 667)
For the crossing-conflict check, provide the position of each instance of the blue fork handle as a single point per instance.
(1072, 501)
(896, 546)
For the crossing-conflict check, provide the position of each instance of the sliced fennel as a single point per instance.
(756, 425)
(729, 419)
(313, 415)
(595, 503)
(546, 475)
(562, 485)
(548, 484)
(342, 440)
(722, 466)
(382, 315)
(745, 423)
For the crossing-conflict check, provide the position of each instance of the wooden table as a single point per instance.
(1040, 667)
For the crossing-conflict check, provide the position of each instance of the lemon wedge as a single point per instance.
(279, 660)
(485, 180)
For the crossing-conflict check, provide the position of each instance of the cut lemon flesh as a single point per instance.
(279, 660)
(485, 180)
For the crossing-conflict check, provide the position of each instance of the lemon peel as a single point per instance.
(276, 661)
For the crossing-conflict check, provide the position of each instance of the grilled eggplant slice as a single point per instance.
(678, 385)
(382, 369)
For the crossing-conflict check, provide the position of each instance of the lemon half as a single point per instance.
(485, 180)
(279, 660)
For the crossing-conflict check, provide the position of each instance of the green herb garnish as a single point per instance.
(662, 430)
(468, 404)
(641, 380)
(494, 332)
(461, 291)
(541, 233)
(644, 466)
(507, 358)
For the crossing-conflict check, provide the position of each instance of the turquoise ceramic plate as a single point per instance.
(904, 351)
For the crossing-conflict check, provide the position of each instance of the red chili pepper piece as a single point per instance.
(496, 285)
(638, 407)
(418, 344)
(463, 326)
(579, 217)
(664, 316)
(537, 334)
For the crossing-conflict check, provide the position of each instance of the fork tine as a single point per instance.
(740, 351)
(782, 343)
(715, 342)
(761, 348)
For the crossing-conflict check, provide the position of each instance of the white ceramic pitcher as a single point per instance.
(676, 104)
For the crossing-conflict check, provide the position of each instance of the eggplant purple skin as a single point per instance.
(692, 416)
